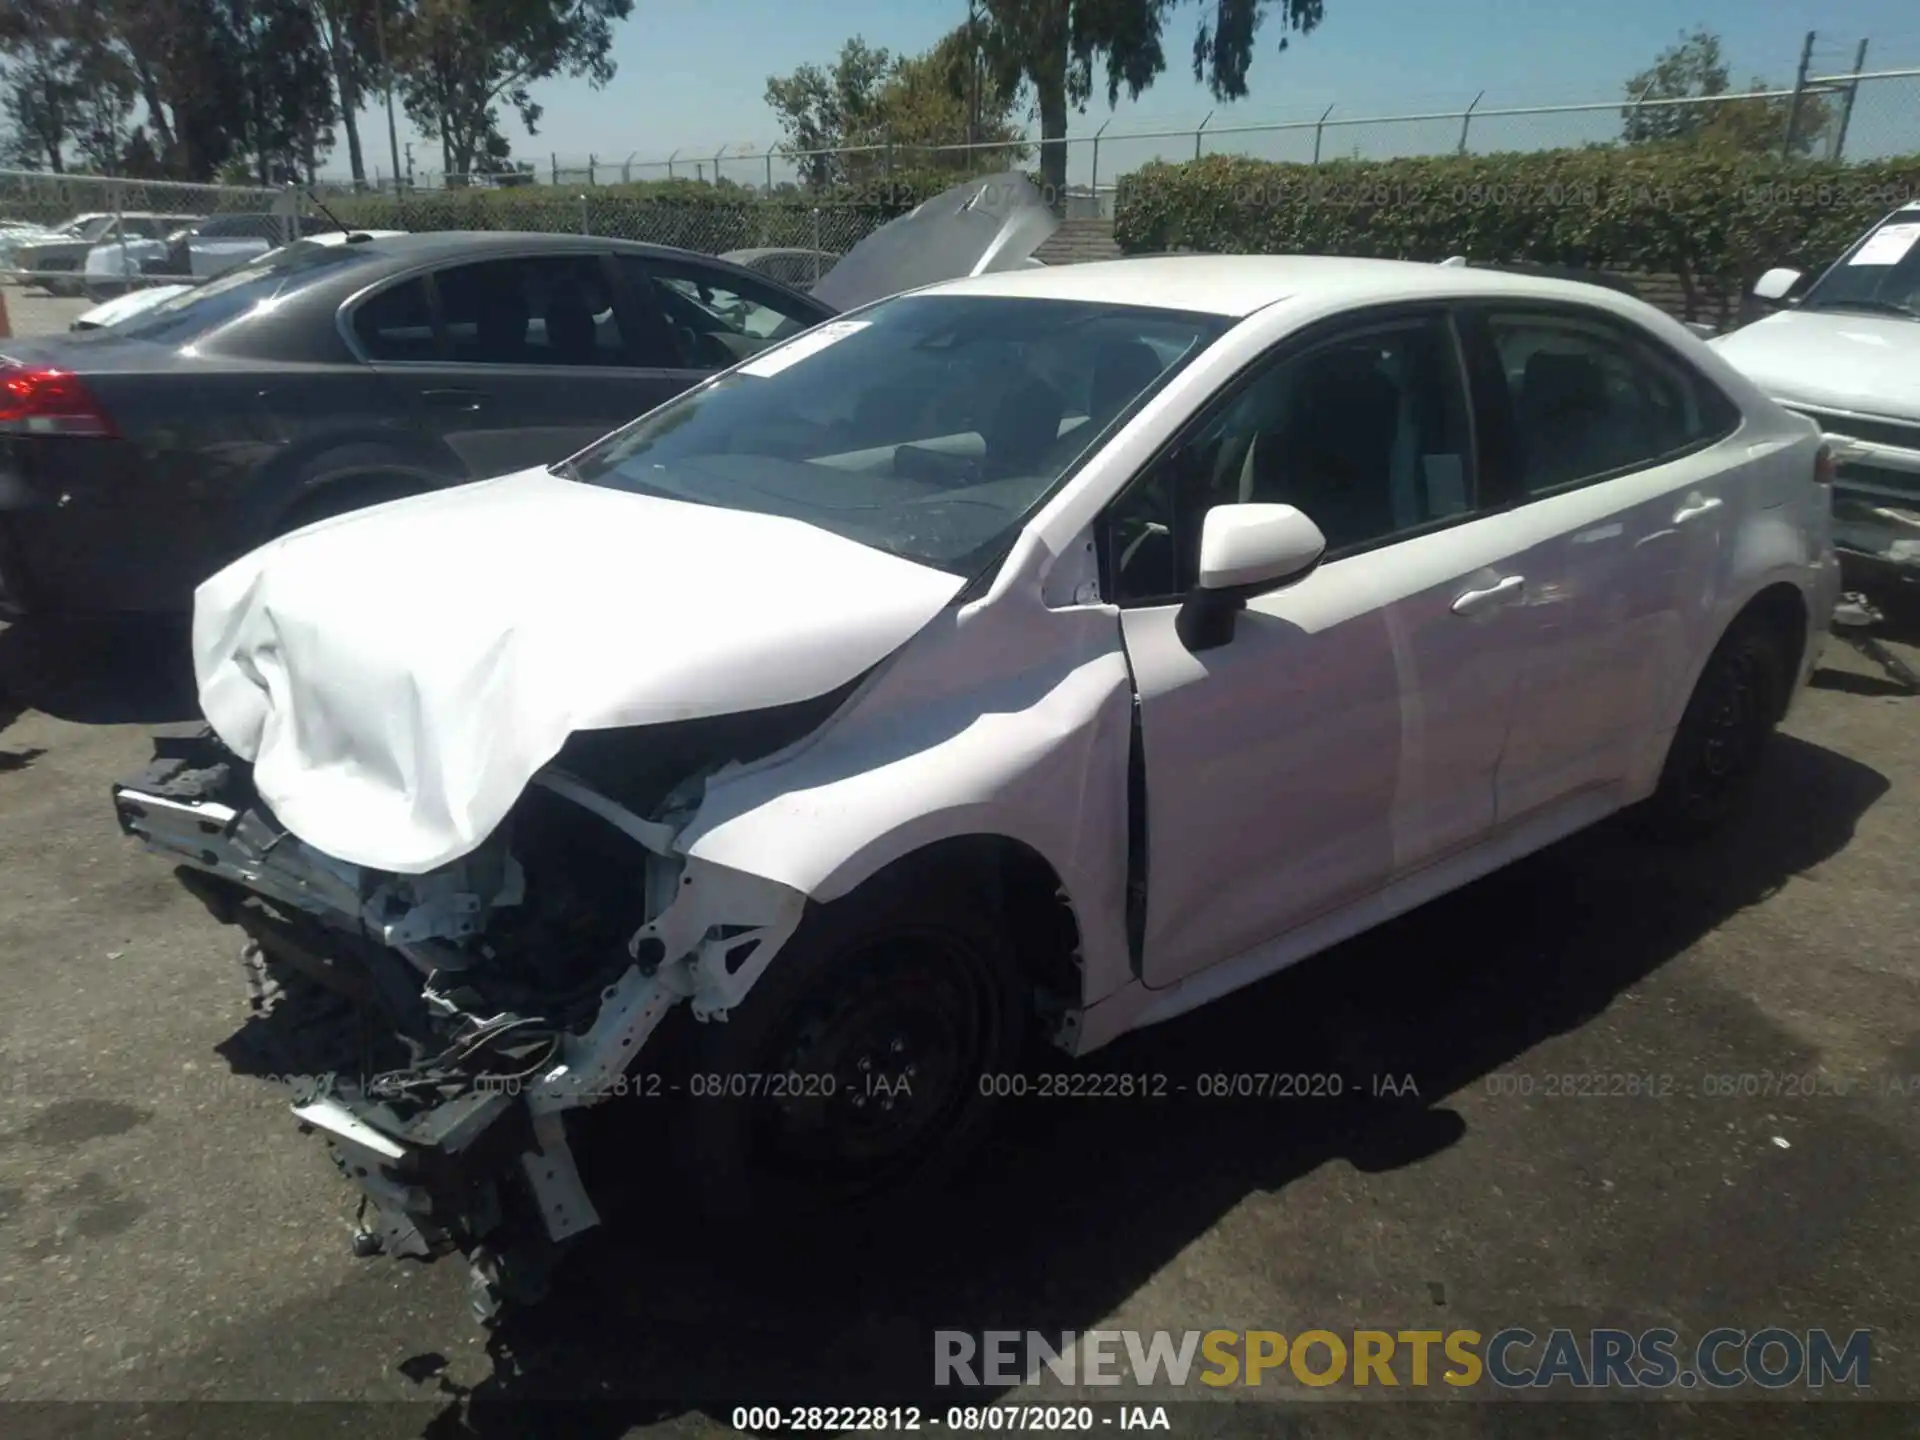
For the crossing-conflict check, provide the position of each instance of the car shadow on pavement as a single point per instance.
(1079, 1202)
(118, 672)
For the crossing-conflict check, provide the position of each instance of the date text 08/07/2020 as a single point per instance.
(959, 1419)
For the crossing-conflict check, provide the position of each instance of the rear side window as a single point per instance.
(1589, 399)
(537, 310)
(397, 323)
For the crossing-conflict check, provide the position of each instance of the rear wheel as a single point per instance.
(1722, 736)
(854, 1072)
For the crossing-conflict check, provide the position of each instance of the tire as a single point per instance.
(1722, 736)
(886, 1008)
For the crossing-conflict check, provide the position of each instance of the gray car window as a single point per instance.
(535, 310)
(1589, 401)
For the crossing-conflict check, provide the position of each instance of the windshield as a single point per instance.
(927, 426)
(1882, 272)
(240, 290)
(87, 227)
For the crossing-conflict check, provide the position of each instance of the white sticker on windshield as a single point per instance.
(1887, 246)
(798, 349)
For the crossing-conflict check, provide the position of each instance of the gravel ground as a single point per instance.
(165, 1234)
(32, 311)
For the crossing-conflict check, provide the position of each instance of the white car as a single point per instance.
(1847, 353)
(138, 302)
(1053, 649)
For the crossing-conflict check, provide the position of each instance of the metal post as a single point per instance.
(553, 160)
(1638, 100)
(670, 160)
(626, 168)
(1846, 104)
(769, 172)
(1093, 182)
(1319, 127)
(591, 163)
(1799, 96)
(1199, 134)
(816, 245)
(716, 164)
(1466, 119)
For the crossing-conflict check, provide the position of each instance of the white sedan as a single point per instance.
(1053, 649)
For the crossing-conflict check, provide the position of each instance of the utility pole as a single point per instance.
(1846, 105)
(386, 73)
(1799, 97)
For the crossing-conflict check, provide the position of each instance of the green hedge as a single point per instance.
(1713, 221)
(675, 212)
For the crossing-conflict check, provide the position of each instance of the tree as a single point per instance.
(872, 97)
(1055, 45)
(347, 30)
(64, 85)
(820, 109)
(458, 61)
(1695, 69)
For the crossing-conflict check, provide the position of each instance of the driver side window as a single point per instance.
(712, 318)
(1366, 432)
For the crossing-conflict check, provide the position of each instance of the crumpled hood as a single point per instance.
(1832, 359)
(397, 675)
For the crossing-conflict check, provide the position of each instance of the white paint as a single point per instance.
(1363, 743)
(397, 675)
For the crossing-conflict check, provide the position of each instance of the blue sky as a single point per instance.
(692, 73)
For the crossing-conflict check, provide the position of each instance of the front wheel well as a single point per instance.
(1780, 610)
(1026, 893)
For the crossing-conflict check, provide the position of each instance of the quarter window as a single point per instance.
(1588, 400)
(397, 324)
(1367, 434)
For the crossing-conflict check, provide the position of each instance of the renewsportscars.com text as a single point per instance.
(1515, 1358)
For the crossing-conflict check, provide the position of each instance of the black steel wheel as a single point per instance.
(1722, 736)
(853, 1073)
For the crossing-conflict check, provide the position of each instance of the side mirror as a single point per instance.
(1245, 550)
(1776, 284)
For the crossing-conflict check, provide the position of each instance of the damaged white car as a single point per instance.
(1054, 650)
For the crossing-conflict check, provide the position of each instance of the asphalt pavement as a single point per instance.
(165, 1235)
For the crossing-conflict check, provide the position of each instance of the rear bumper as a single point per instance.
(85, 528)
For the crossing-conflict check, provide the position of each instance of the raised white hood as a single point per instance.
(1832, 360)
(398, 675)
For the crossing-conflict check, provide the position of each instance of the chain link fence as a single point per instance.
(1847, 116)
(99, 235)
(116, 232)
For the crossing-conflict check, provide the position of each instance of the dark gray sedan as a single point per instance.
(135, 461)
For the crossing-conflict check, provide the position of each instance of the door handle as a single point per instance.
(1474, 602)
(1695, 506)
(455, 399)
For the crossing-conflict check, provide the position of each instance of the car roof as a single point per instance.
(1238, 285)
(430, 245)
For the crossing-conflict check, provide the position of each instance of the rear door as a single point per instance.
(1622, 491)
(513, 362)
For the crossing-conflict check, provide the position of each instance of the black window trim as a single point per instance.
(1476, 324)
(1289, 348)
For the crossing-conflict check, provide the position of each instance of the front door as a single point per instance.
(1353, 724)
